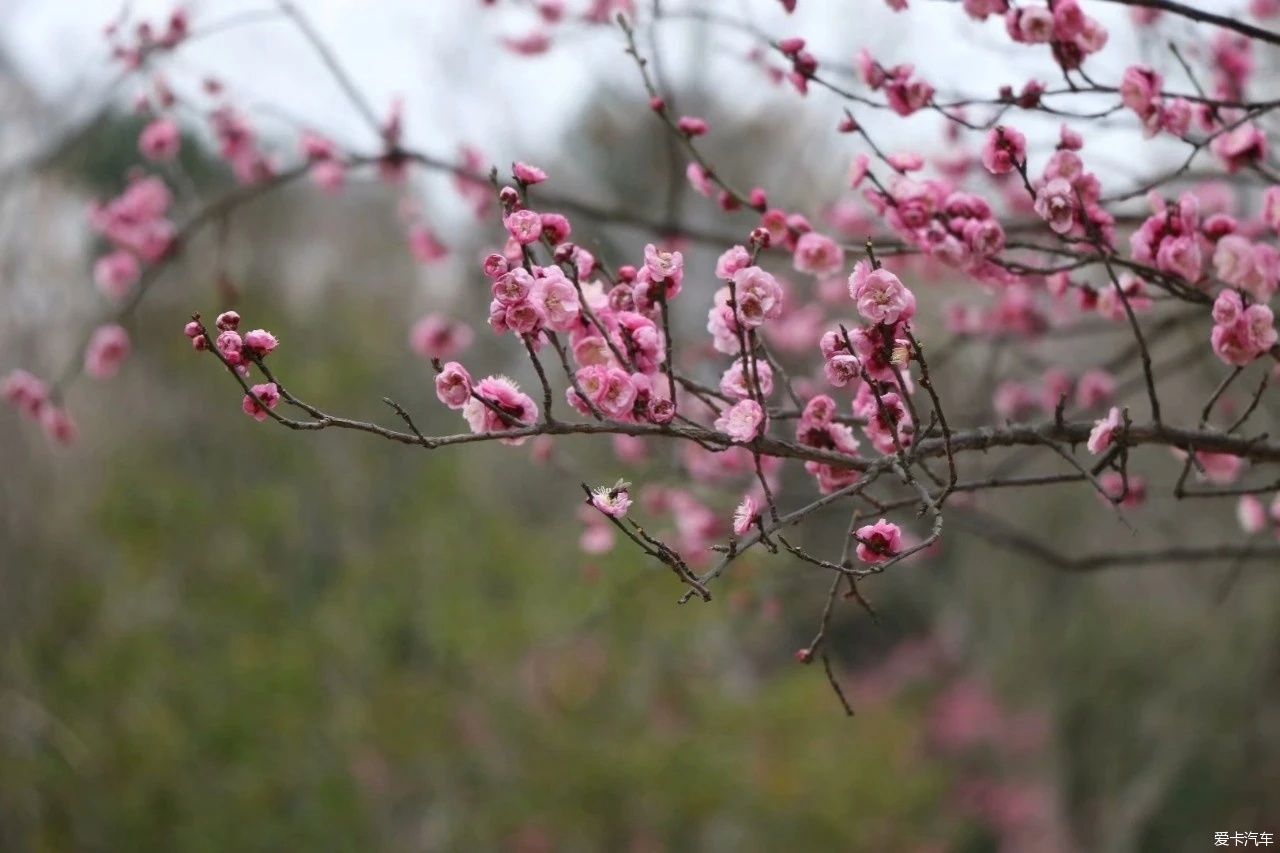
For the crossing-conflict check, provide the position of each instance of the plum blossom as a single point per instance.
(437, 336)
(264, 395)
(555, 299)
(745, 515)
(107, 349)
(160, 140)
(1003, 150)
(25, 391)
(742, 421)
(1104, 431)
(524, 226)
(453, 385)
(503, 395)
(613, 501)
(115, 272)
(733, 259)
(663, 264)
(817, 254)
(878, 542)
(1056, 204)
(526, 174)
(758, 296)
(734, 383)
(1241, 333)
(260, 342)
(1240, 146)
(58, 425)
(880, 295)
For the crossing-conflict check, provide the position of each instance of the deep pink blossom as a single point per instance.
(267, 395)
(1005, 148)
(25, 391)
(878, 542)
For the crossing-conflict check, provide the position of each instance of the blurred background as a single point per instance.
(216, 634)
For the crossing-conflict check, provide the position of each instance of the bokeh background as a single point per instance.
(219, 635)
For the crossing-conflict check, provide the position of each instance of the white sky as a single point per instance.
(444, 58)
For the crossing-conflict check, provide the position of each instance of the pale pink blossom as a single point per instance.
(115, 272)
(734, 381)
(1129, 494)
(745, 515)
(817, 254)
(1095, 388)
(1240, 146)
(107, 349)
(613, 501)
(424, 245)
(880, 295)
(1140, 89)
(58, 425)
(518, 409)
(453, 385)
(758, 295)
(1271, 208)
(742, 421)
(437, 336)
(731, 261)
(524, 226)
(663, 264)
(1251, 514)
(1104, 431)
(526, 174)
(1056, 204)
(555, 299)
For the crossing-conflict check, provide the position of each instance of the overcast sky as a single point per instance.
(444, 57)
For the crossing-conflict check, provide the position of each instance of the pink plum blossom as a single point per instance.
(107, 349)
(613, 501)
(1104, 431)
(453, 385)
(878, 542)
(742, 421)
(745, 515)
(817, 254)
(499, 394)
(437, 336)
(266, 394)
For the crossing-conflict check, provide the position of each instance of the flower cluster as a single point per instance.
(135, 223)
